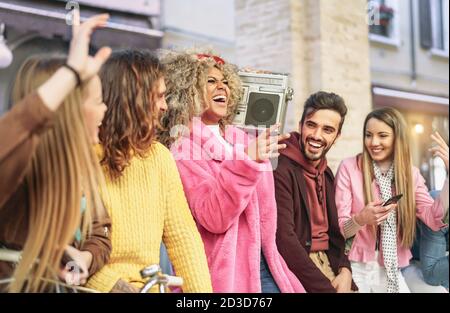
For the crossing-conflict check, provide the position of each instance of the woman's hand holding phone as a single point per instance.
(374, 213)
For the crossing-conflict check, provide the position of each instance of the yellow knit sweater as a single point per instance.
(147, 204)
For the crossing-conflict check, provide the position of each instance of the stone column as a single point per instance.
(322, 44)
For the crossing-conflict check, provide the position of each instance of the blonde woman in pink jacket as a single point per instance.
(226, 176)
(381, 236)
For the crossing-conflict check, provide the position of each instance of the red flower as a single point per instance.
(385, 9)
(386, 14)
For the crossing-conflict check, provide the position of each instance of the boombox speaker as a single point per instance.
(264, 100)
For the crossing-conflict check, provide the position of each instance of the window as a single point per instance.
(384, 21)
(439, 24)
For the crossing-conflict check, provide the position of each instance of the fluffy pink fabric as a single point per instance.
(232, 200)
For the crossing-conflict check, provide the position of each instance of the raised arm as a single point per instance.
(217, 198)
(22, 125)
(57, 87)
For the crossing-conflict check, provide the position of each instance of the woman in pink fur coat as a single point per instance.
(227, 176)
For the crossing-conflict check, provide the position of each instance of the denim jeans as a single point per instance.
(268, 284)
(164, 262)
(433, 258)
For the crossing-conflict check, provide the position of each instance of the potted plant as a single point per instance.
(386, 15)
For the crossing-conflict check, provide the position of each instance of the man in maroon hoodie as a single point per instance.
(308, 235)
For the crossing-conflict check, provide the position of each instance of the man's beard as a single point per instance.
(313, 157)
(158, 120)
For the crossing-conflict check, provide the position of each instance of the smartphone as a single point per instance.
(392, 200)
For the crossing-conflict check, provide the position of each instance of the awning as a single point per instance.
(409, 101)
(48, 19)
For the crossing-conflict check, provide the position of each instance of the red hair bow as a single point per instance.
(217, 59)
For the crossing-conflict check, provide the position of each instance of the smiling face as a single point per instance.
(379, 140)
(93, 107)
(217, 97)
(318, 134)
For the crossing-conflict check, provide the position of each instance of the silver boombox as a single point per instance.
(264, 101)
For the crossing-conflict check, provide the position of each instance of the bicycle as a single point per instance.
(155, 276)
(152, 272)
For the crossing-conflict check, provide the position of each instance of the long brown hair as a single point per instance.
(63, 168)
(129, 128)
(406, 211)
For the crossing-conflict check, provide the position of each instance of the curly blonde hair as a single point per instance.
(186, 80)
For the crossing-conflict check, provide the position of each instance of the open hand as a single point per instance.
(441, 150)
(266, 145)
(79, 58)
(343, 282)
